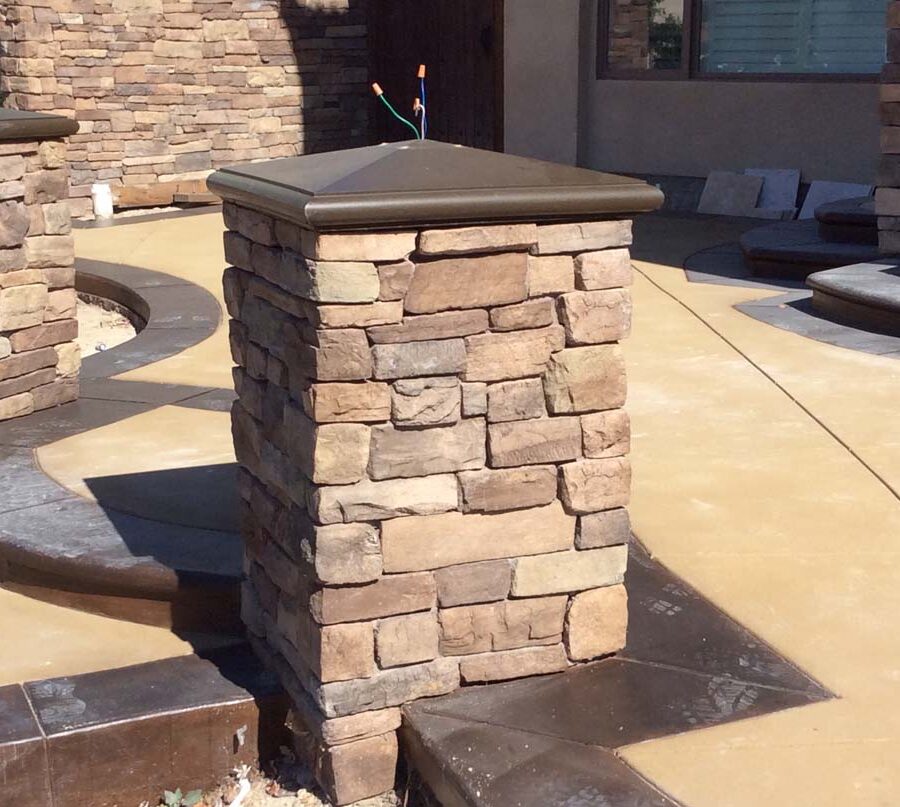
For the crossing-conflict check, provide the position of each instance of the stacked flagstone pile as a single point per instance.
(887, 196)
(39, 359)
(435, 470)
(165, 90)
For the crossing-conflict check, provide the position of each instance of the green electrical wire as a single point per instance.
(399, 117)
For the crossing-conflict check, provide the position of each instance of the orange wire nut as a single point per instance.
(376, 88)
(421, 71)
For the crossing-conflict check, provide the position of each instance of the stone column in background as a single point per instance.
(39, 359)
(887, 194)
(434, 455)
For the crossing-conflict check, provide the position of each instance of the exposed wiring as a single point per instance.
(376, 88)
(424, 101)
(419, 109)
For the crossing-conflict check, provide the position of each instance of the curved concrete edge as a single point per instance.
(60, 548)
(17, 124)
(865, 295)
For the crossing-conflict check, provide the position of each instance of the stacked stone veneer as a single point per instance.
(434, 459)
(165, 90)
(629, 35)
(39, 359)
(887, 196)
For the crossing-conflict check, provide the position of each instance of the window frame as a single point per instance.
(690, 61)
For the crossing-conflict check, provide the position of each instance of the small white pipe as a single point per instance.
(101, 194)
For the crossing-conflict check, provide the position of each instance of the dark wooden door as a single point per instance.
(461, 42)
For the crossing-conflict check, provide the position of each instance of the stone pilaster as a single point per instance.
(434, 459)
(39, 358)
(887, 195)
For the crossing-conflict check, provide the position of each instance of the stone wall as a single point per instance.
(434, 464)
(39, 359)
(629, 35)
(887, 195)
(165, 90)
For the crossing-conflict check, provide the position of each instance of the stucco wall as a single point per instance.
(541, 67)
(828, 130)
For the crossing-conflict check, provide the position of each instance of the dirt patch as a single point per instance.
(101, 327)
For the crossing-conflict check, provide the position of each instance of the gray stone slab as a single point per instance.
(23, 483)
(822, 192)
(780, 187)
(729, 194)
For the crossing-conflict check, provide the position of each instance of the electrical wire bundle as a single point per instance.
(419, 110)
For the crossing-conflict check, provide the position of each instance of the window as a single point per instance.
(741, 38)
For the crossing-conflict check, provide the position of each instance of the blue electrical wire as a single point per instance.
(424, 108)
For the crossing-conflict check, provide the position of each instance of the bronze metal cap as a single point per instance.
(426, 183)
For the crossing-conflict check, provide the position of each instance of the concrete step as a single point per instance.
(849, 221)
(864, 295)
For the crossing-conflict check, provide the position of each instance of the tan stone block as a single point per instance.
(407, 639)
(61, 304)
(474, 399)
(515, 400)
(419, 359)
(168, 49)
(502, 625)
(58, 391)
(585, 379)
(11, 260)
(330, 453)
(378, 246)
(387, 596)
(5, 347)
(447, 325)
(341, 730)
(583, 237)
(68, 359)
(22, 363)
(537, 313)
(12, 167)
(22, 307)
(511, 664)
(432, 542)
(389, 688)
(16, 406)
(347, 553)
(358, 770)
(341, 355)
(356, 316)
(469, 583)
(46, 186)
(23, 277)
(489, 491)
(346, 652)
(341, 282)
(608, 528)
(606, 434)
(27, 382)
(50, 251)
(400, 453)
(480, 282)
(597, 623)
(607, 269)
(593, 317)
(426, 402)
(394, 279)
(534, 442)
(12, 190)
(52, 154)
(553, 274)
(502, 356)
(361, 402)
(50, 333)
(496, 238)
(14, 223)
(591, 485)
(565, 572)
(372, 501)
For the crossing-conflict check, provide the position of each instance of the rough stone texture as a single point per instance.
(888, 178)
(431, 542)
(430, 474)
(502, 666)
(426, 402)
(502, 625)
(478, 239)
(607, 269)
(487, 581)
(515, 400)
(591, 485)
(164, 93)
(407, 639)
(354, 771)
(593, 317)
(511, 489)
(566, 572)
(402, 453)
(596, 623)
(39, 359)
(585, 379)
(593, 235)
(467, 283)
